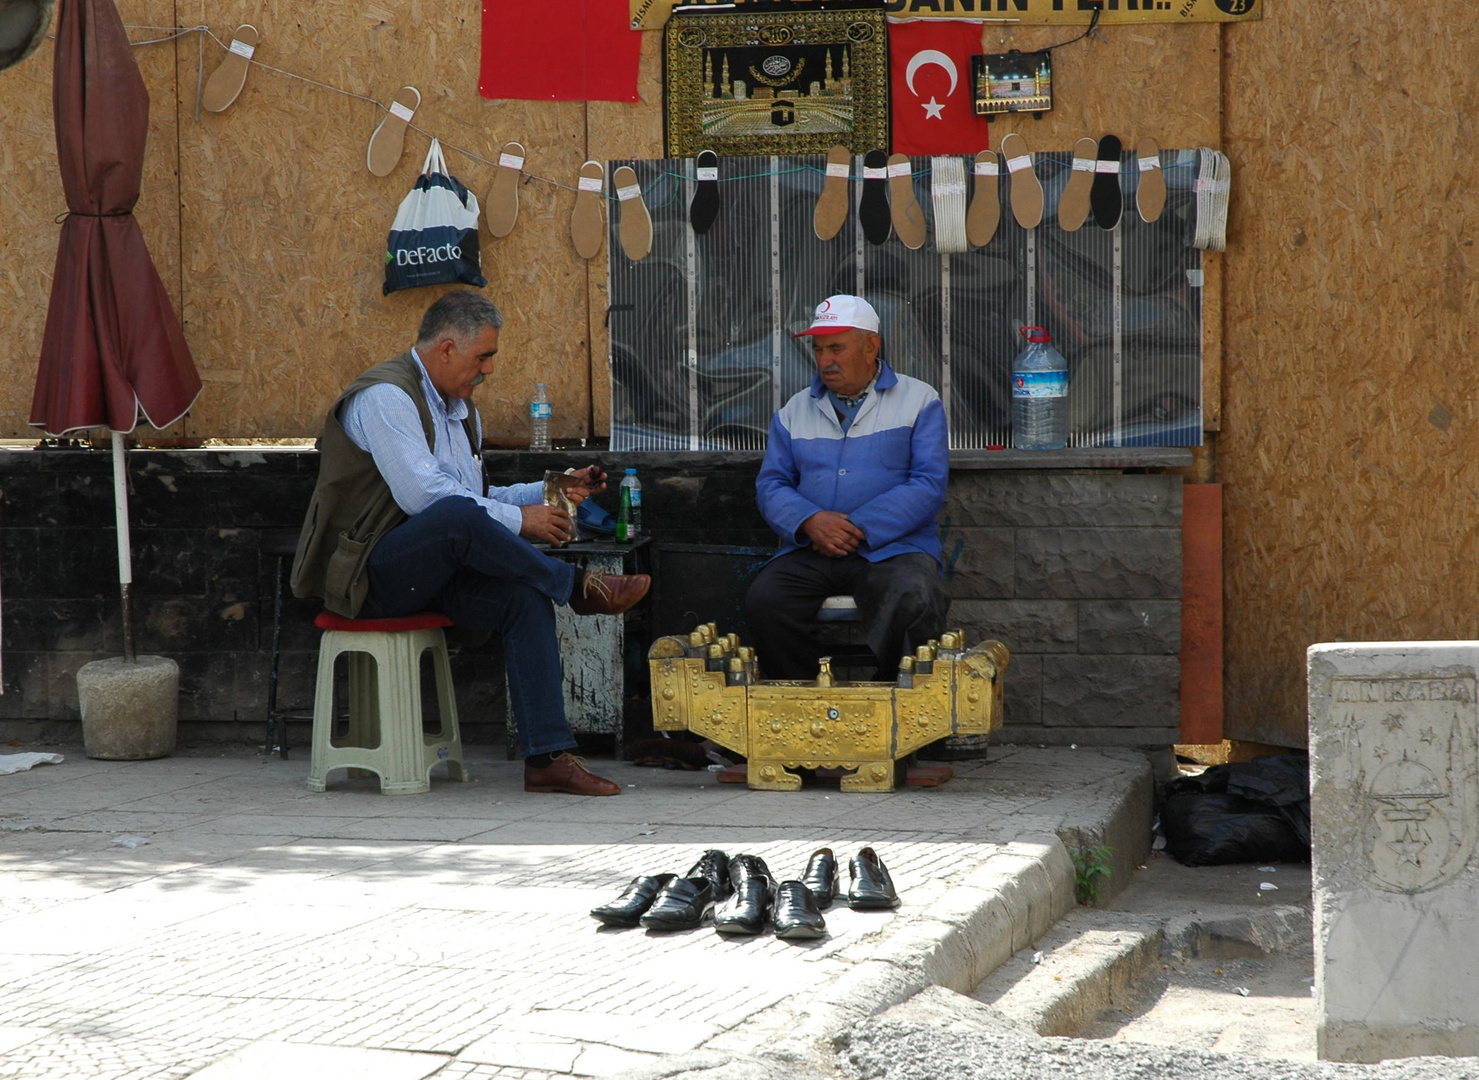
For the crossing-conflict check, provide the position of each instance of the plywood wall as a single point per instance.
(1348, 449)
(1339, 370)
(269, 229)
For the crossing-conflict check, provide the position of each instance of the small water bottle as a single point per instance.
(629, 516)
(1039, 394)
(540, 412)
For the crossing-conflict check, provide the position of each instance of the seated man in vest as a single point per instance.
(402, 521)
(853, 479)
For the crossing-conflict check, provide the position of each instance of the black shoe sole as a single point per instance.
(736, 930)
(799, 933)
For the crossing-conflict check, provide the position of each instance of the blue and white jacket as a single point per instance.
(887, 473)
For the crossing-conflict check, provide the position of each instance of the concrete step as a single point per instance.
(1091, 960)
(1088, 962)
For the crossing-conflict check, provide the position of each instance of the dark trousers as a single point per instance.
(453, 558)
(901, 600)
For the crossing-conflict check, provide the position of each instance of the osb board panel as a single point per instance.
(285, 227)
(616, 130)
(1347, 449)
(1128, 81)
(31, 199)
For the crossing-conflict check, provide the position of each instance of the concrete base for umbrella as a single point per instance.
(129, 710)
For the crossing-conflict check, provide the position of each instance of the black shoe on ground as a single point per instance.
(714, 866)
(681, 904)
(871, 887)
(821, 877)
(754, 889)
(630, 906)
(795, 914)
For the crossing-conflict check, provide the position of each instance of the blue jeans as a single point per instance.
(453, 558)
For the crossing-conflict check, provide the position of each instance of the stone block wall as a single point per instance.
(1079, 572)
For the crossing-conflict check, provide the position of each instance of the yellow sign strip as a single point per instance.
(653, 14)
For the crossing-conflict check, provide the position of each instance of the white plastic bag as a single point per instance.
(434, 238)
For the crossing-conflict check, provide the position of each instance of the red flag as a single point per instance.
(929, 63)
(559, 50)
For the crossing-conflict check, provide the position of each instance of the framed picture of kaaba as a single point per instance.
(1012, 82)
(778, 82)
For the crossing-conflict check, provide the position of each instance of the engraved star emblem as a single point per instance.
(1429, 735)
(1392, 722)
(932, 109)
(1379, 752)
(1407, 848)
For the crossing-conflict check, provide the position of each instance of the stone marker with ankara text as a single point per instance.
(1394, 763)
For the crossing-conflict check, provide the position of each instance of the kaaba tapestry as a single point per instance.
(775, 83)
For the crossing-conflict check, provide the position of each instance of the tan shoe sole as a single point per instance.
(1026, 189)
(984, 215)
(224, 85)
(1150, 195)
(384, 151)
(904, 210)
(635, 229)
(501, 207)
(587, 224)
(1073, 204)
(831, 212)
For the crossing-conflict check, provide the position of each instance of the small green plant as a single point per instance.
(1088, 867)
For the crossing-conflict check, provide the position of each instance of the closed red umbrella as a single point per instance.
(112, 352)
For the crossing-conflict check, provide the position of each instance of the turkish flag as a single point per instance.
(559, 50)
(929, 65)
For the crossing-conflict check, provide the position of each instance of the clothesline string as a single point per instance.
(177, 32)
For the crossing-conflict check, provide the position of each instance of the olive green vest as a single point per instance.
(352, 507)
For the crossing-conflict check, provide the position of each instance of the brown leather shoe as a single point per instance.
(608, 594)
(567, 773)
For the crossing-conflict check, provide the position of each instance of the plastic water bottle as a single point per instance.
(1039, 394)
(539, 415)
(629, 516)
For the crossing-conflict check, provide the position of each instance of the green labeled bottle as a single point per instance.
(625, 534)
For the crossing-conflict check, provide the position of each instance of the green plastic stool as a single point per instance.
(385, 736)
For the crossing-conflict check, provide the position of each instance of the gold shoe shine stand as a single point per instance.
(706, 683)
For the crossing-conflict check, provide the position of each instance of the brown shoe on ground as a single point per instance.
(567, 773)
(608, 594)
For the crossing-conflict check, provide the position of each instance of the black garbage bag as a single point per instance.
(1246, 811)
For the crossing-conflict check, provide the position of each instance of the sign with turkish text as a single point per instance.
(653, 14)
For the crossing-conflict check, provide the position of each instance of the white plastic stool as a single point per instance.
(385, 735)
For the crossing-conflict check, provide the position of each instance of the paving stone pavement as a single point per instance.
(205, 915)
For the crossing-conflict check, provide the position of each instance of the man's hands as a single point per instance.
(832, 534)
(591, 480)
(548, 523)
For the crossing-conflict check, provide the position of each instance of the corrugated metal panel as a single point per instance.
(701, 330)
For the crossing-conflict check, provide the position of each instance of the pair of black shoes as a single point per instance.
(788, 905)
(871, 886)
(669, 902)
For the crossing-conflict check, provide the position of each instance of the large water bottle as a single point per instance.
(1039, 394)
(540, 412)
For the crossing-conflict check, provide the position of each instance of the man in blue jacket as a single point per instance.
(853, 480)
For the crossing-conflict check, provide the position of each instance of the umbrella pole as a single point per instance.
(125, 559)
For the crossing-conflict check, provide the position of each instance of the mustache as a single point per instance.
(477, 380)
